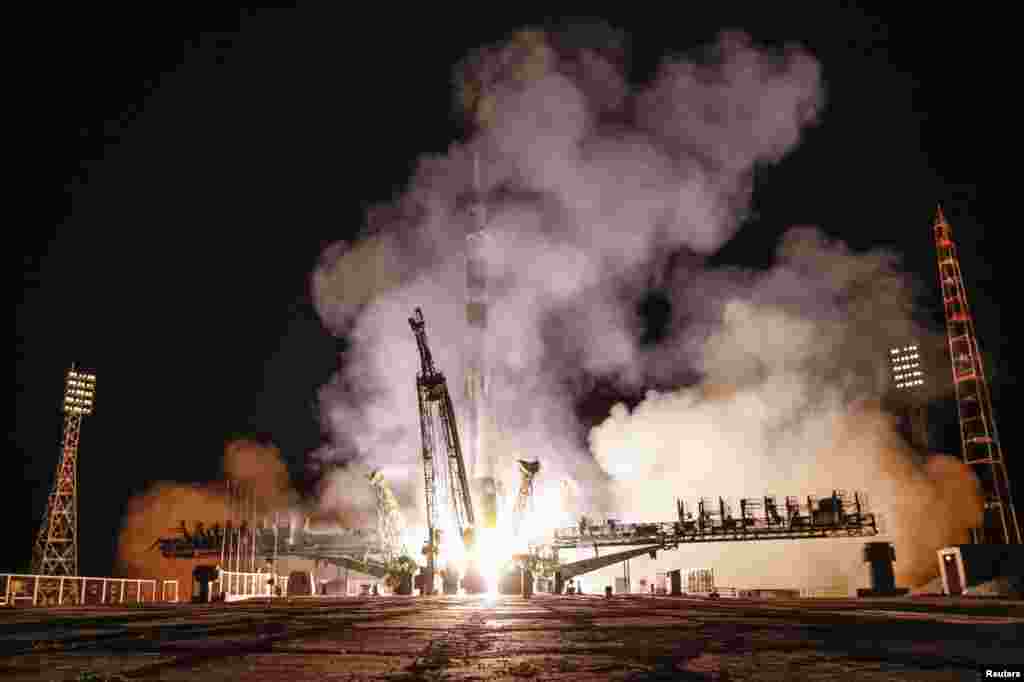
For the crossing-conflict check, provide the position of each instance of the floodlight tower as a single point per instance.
(56, 549)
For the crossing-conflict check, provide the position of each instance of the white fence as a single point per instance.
(723, 592)
(824, 593)
(234, 585)
(170, 590)
(52, 590)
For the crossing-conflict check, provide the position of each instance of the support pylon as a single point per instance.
(978, 434)
(56, 548)
(390, 523)
(524, 500)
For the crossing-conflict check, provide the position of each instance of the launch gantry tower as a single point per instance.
(978, 434)
(56, 548)
(444, 478)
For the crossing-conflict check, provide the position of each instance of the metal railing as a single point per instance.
(170, 587)
(52, 590)
(290, 541)
(758, 519)
(824, 593)
(235, 585)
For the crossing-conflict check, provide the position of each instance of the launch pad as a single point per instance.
(546, 637)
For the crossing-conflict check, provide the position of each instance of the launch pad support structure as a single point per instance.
(835, 516)
(759, 519)
(445, 480)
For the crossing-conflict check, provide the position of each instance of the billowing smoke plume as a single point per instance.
(591, 184)
(347, 498)
(793, 368)
(152, 514)
(262, 470)
(588, 181)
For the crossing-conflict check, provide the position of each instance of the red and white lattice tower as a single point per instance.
(56, 548)
(978, 433)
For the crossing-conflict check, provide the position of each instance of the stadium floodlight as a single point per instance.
(79, 392)
(905, 365)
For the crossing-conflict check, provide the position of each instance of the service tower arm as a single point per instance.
(527, 471)
(436, 411)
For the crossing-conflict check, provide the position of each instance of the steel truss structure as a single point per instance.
(836, 516)
(200, 543)
(758, 519)
(445, 481)
(56, 548)
(978, 434)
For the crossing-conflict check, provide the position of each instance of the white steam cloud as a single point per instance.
(793, 370)
(591, 184)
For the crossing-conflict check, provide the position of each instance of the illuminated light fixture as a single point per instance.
(79, 392)
(906, 366)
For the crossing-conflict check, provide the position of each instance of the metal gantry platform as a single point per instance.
(350, 543)
(838, 515)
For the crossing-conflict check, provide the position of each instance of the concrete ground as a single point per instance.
(545, 638)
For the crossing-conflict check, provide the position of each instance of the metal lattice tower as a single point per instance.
(389, 517)
(56, 548)
(978, 434)
(445, 481)
(527, 472)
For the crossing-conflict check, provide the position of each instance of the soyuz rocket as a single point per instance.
(481, 425)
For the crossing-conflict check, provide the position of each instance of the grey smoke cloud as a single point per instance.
(590, 185)
(591, 182)
(579, 206)
(794, 363)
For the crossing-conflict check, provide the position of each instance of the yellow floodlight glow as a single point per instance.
(79, 392)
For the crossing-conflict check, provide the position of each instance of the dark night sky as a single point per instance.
(190, 169)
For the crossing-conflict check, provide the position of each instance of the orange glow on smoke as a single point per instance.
(158, 512)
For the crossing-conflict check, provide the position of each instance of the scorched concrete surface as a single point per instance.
(509, 638)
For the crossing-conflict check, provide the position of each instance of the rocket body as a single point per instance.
(480, 429)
